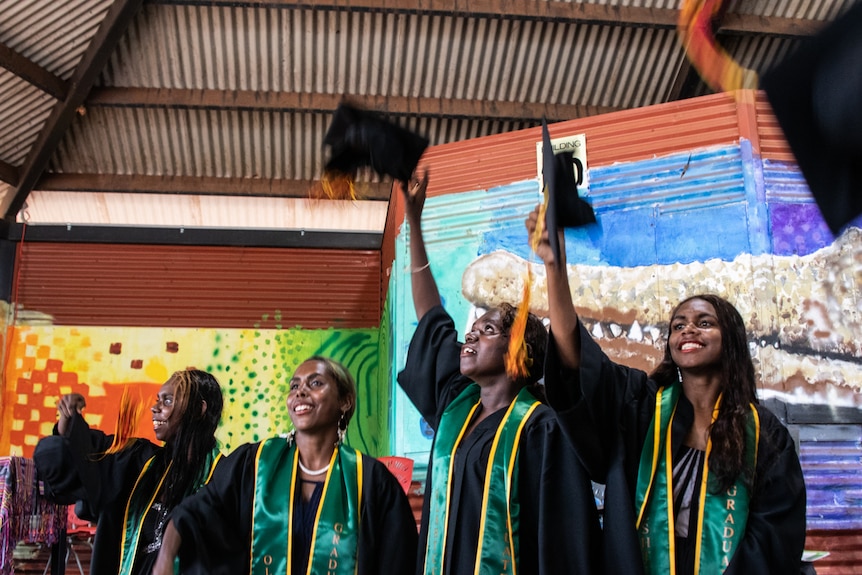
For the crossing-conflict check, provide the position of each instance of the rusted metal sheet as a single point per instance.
(626, 136)
(193, 286)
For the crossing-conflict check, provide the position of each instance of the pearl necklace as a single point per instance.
(320, 471)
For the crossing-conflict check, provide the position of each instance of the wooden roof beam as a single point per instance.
(8, 173)
(117, 20)
(577, 12)
(193, 185)
(326, 103)
(33, 73)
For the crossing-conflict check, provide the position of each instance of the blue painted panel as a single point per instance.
(679, 208)
(702, 234)
(833, 481)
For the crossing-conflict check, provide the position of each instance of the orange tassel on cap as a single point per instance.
(715, 66)
(338, 186)
(517, 363)
(130, 413)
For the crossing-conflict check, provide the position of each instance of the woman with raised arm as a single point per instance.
(505, 493)
(130, 489)
(301, 504)
(700, 477)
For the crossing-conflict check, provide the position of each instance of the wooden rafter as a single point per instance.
(33, 73)
(117, 20)
(196, 185)
(8, 173)
(582, 12)
(401, 105)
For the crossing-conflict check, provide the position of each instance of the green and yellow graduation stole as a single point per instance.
(721, 519)
(334, 544)
(141, 500)
(498, 532)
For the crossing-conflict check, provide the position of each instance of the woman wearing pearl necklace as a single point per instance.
(304, 503)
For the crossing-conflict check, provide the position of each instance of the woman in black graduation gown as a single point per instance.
(505, 493)
(700, 477)
(306, 501)
(129, 487)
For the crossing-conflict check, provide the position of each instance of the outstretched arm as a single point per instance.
(564, 318)
(426, 296)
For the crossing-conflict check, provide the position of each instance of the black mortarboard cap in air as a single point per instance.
(359, 138)
(566, 209)
(816, 94)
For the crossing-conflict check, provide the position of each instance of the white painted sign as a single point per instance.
(576, 144)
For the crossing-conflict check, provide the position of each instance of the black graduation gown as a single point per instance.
(559, 528)
(605, 409)
(102, 484)
(215, 524)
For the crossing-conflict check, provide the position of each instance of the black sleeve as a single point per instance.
(74, 467)
(432, 376)
(559, 520)
(215, 522)
(775, 530)
(388, 534)
(599, 405)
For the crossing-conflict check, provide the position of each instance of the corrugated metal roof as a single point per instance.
(194, 142)
(224, 88)
(21, 117)
(52, 34)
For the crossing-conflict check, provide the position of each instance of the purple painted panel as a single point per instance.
(798, 229)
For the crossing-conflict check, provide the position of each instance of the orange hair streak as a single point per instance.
(131, 409)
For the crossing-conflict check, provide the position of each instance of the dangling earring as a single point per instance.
(342, 428)
(679, 374)
(291, 437)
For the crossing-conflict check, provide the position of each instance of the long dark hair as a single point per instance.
(738, 387)
(195, 435)
(536, 338)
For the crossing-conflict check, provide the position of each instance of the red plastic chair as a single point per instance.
(401, 468)
(78, 531)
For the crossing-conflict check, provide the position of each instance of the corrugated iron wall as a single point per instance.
(618, 137)
(831, 458)
(196, 286)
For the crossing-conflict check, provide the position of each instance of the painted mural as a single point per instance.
(802, 312)
(252, 365)
(714, 220)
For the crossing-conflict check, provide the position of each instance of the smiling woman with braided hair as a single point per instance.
(129, 486)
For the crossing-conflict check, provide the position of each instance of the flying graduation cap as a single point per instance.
(359, 138)
(816, 94)
(565, 208)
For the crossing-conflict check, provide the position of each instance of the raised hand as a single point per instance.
(68, 406)
(541, 246)
(414, 197)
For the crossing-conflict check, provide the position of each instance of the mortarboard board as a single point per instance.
(563, 208)
(816, 94)
(359, 138)
(566, 209)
